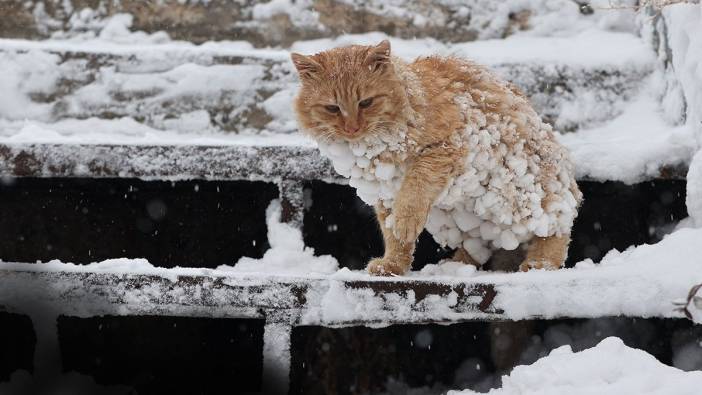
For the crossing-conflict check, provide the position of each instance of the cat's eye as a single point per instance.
(365, 103)
(332, 109)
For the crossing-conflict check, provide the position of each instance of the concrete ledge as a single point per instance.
(227, 162)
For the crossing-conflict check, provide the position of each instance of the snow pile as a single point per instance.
(88, 24)
(633, 146)
(25, 75)
(447, 269)
(287, 255)
(608, 368)
(301, 13)
(663, 125)
(683, 25)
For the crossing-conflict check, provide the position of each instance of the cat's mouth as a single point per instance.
(352, 136)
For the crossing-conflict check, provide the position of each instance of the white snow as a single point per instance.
(300, 12)
(287, 255)
(693, 199)
(117, 28)
(682, 88)
(589, 48)
(23, 74)
(128, 131)
(631, 147)
(684, 27)
(645, 280)
(448, 269)
(109, 266)
(608, 368)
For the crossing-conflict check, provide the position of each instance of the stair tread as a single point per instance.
(631, 158)
(352, 298)
(588, 49)
(251, 88)
(231, 86)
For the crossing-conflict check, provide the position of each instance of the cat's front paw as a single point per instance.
(387, 267)
(530, 264)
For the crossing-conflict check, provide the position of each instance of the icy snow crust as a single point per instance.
(504, 196)
(610, 368)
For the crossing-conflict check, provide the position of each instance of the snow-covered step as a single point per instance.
(280, 22)
(574, 82)
(439, 293)
(273, 158)
(276, 158)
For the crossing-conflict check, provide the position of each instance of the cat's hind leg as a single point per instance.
(546, 253)
(461, 255)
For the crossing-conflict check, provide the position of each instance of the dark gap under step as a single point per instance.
(613, 215)
(148, 354)
(165, 354)
(184, 223)
(209, 223)
(17, 339)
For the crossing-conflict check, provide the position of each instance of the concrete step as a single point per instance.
(332, 300)
(283, 22)
(234, 88)
(267, 160)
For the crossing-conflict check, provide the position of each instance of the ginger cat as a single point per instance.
(442, 144)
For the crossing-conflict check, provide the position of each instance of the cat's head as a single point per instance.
(348, 92)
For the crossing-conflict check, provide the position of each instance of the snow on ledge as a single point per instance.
(641, 282)
(610, 368)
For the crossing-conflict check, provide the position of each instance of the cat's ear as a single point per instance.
(378, 57)
(305, 65)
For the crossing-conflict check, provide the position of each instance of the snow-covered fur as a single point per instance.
(463, 155)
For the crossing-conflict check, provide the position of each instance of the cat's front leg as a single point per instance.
(425, 179)
(397, 258)
(427, 175)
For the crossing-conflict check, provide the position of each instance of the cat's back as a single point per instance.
(461, 77)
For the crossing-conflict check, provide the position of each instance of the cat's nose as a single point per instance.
(351, 129)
